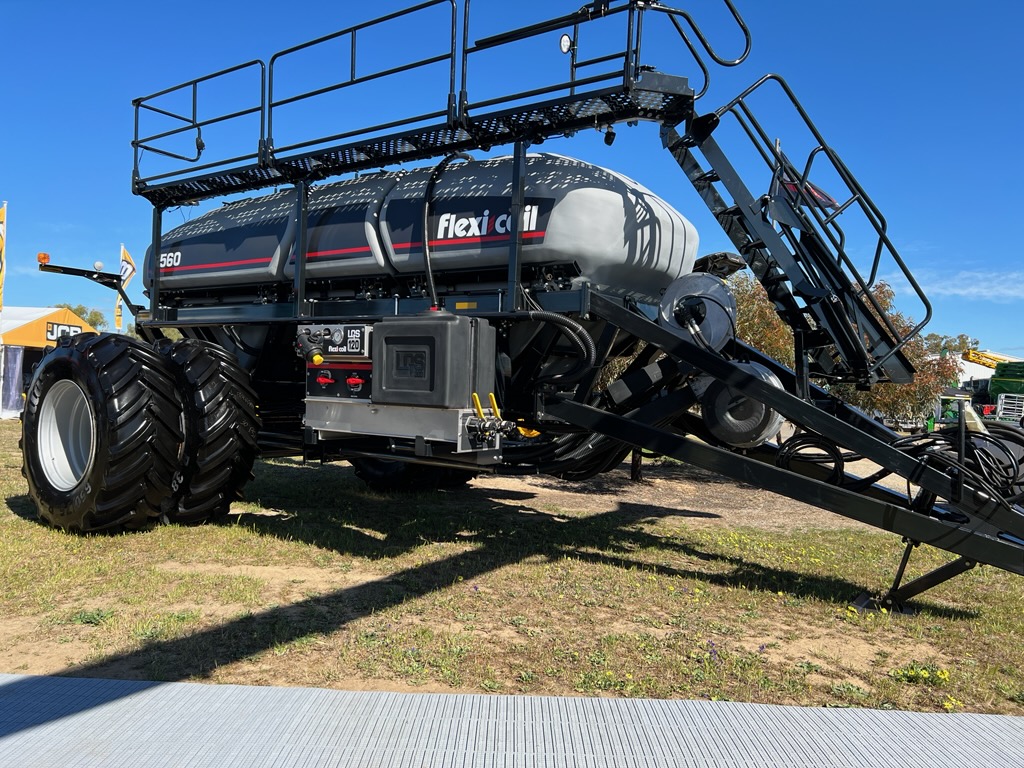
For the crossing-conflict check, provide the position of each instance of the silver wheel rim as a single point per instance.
(66, 435)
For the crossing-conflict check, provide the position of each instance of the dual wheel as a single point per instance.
(118, 433)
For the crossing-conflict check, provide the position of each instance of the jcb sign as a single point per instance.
(55, 330)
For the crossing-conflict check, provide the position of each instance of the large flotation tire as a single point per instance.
(221, 427)
(101, 433)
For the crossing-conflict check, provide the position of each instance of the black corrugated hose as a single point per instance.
(428, 209)
(576, 334)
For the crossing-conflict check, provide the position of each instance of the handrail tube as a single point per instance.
(353, 80)
(370, 135)
(844, 259)
(575, 20)
(198, 124)
(453, 74)
(352, 57)
(748, 128)
(880, 225)
(463, 85)
(831, 218)
(838, 212)
(605, 78)
(574, 58)
(824, 222)
(592, 11)
(878, 221)
(142, 144)
(749, 124)
(159, 111)
(845, 334)
(168, 153)
(584, 14)
(363, 25)
(634, 39)
(869, 206)
(865, 294)
(673, 13)
(196, 168)
(138, 101)
(602, 59)
(358, 81)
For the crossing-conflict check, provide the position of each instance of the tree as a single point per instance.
(936, 343)
(934, 372)
(757, 323)
(93, 317)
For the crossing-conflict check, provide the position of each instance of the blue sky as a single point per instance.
(919, 99)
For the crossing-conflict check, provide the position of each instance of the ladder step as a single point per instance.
(707, 177)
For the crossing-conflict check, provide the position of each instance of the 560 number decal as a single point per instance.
(170, 259)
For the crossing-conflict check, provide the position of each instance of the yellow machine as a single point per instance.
(988, 359)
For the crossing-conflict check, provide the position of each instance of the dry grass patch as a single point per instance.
(684, 586)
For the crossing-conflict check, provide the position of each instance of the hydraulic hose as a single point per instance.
(582, 457)
(789, 451)
(938, 449)
(578, 336)
(428, 210)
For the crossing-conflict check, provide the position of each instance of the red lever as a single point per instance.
(355, 381)
(324, 379)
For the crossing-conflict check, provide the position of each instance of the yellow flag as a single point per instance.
(3, 251)
(127, 267)
(127, 273)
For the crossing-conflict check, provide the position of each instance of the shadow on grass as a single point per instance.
(512, 530)
(23, 507)
(327, 507)
(335, 511)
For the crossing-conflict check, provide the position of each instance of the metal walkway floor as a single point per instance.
(74, 723)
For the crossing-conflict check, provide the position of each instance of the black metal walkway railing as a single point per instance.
(598, 91)
(790, 234)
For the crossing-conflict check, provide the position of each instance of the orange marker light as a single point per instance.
(43, 258)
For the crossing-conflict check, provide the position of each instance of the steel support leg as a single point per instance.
(515, 248)
(154, 286)
(301, 214)
(897, 596)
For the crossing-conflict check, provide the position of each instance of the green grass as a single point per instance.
(317, 581)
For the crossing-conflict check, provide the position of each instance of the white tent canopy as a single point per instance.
(24, 333)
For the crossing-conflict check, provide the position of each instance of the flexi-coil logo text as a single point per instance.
(451, 226)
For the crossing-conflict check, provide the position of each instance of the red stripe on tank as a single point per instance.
(337, 252)
(215, 265)
(468, 240)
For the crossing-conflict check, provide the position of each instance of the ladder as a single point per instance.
(790, 237)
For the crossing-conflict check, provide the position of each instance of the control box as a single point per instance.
(405, 378)
(436, 360)
(346, 370)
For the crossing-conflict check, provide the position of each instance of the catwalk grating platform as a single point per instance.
(78, 723)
